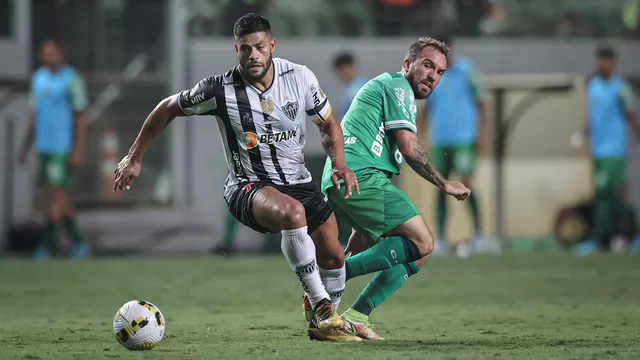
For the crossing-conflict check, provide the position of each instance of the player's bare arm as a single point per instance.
(130, 166)
(80, 136)
(333, 142)
(416, 156)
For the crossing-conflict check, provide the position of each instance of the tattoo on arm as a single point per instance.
(327, 144)
(421, 164)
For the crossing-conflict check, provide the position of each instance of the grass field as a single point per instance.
(551, 307)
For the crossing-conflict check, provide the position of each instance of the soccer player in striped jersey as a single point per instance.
(261, 107)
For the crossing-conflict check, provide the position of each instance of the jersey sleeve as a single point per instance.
(201, 98)
(399, 106)
(627, 97)
(78, 94)
(317, 105)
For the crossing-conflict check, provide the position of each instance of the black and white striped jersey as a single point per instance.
(263, 132)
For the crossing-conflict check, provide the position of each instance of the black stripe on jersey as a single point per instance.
(246, 118)
(316, 110)
(272, 148)
(232, 140)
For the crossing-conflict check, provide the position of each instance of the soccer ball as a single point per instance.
(139, 325)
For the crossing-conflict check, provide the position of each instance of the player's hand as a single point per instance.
(349, 177)
(77, 158)
(127, 170)
(457, 190)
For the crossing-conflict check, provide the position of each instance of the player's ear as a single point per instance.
(235, 46)
(272, 42)
(406, 64)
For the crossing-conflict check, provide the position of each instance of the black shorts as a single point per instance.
(316, 205)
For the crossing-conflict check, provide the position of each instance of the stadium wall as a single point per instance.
(537, 176)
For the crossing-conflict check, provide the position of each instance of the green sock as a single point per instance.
(73, 230)
(385, 254)
(230, 230)
(382, 286)
(49, 235)
(475, 212)
(441, 212)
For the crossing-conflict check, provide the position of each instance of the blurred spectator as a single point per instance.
(495, 20)
(390, 16)
(612, 109)
(346, 69)
(470, 14)
(57, 124)
(631, 17)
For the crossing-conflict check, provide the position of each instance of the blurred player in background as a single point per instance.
(262, 106)
(57, 124)
(380, 133)
(611, 111)
(345, 67)
(455, 114)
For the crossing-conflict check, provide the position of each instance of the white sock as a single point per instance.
(333, 281)
(297, 246)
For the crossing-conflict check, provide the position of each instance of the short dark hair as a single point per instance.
(343, 59)
(424, 42)
(605, 52)
(249, 24)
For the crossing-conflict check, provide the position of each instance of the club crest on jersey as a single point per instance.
(267, 106)
(291, 110)
(252, 139)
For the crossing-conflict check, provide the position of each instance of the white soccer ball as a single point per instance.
(139, 325)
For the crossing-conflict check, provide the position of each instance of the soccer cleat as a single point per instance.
(477, 244)
(306, 306)
(359, 325)
(327, 325)
(42, 253)
(585, 248)
(79, 251)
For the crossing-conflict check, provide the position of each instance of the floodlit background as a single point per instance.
(134, 53)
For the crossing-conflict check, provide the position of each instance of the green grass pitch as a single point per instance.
(527, 307)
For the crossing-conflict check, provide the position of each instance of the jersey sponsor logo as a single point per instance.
(252, 139)
(350, 140)
(398, 156)
(291, 110)
(314, 93)
(248, 186)
(377, 147)
(238, 170)
(198, 98)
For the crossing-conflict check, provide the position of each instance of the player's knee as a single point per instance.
(331, 261)
(292, 215)
(425, 243)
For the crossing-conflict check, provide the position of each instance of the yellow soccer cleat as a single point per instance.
(359, 325)
(327, 325)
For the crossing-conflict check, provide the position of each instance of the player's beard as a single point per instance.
(265, 68)
(419, 95)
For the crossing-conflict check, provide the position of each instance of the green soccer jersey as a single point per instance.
(383, 104)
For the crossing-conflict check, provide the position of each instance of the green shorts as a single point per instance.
(53, 169)
(380, 207)
(458, 159)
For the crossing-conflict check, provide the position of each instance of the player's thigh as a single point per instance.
(357, 244)
(263, 208)
(415, 229)
(329, 253)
